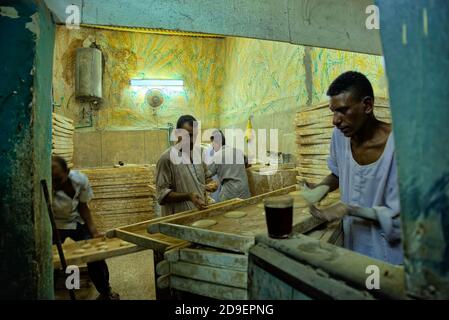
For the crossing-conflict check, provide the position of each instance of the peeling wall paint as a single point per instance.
(9, 12)
(128, 55)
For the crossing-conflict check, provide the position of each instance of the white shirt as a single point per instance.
(369, 186)
(65, 208)
(229, 166)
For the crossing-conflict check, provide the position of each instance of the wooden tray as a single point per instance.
(236, 235)
(115, 247)
(137, 233)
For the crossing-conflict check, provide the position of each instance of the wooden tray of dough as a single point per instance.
(81, 252)
(138, 233)
(233, 234)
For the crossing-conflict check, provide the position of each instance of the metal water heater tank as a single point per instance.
(88, 75)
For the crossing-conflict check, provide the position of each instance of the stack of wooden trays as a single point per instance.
(122, 195)
(62, 138)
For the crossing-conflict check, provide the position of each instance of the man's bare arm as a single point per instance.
(85, 213)
(173, 197)
(331, 181)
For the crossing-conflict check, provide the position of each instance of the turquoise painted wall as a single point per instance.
(416, 45)
(25, 119)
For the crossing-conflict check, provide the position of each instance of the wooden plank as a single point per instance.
(119, 204)
(318, 149)
(306, 119)
(314, 171)
(309, 281)
(115, 195)
(62, 150)
(341, 263)
(108, 221)
(62, 135)
(62, 130)
(211, 258)
(312, 141)
(122, 181)
(222, 276)
(163, 268)
(309, 132)
(227, 241)
(124, 212)
(64, 125)
(62, 118)
(208, 289)
(149, 243)
(163, 282)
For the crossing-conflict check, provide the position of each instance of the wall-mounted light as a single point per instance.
(166, 85)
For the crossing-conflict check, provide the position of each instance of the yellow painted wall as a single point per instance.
(268, 80)
(329, 64)
(226, 80)
(128, 55)
(265, 76)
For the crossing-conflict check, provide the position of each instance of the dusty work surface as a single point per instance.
(251, 223)
(234, 234)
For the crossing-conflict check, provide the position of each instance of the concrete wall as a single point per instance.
(26, 270)
(106, 148)
(324, 23)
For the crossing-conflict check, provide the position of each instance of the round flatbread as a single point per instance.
(79, 251)
(235, 214)
(205, 223)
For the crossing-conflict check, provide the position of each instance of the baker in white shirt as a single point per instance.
(71, 193)
(363, 167)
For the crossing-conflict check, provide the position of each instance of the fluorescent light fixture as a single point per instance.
(156, 83)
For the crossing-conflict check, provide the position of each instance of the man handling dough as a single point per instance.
(180, 182)
(363, 167)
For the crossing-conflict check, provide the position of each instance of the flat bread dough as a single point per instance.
(124, 243)
(235, 214)
(86, 246)
(103, 247)
(260, 205)
(79, 251)
(306, 210)
(101, 243)
(295, 193)
(204, 223)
